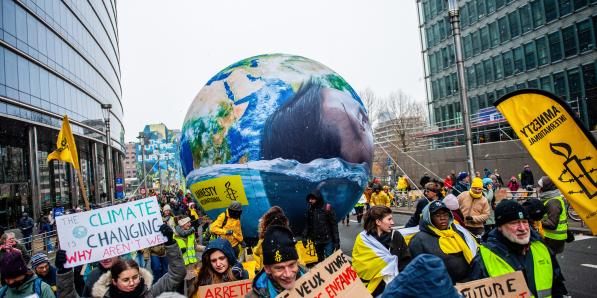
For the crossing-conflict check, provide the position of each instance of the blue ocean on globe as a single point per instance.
(287, 125)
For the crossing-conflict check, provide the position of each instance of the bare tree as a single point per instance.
(371, 102)
(402, 117)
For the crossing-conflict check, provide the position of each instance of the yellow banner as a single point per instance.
(557, 141)
(66, 147)
(219, 192)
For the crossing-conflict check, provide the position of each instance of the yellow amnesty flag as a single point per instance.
(66, 148)
(558, 142)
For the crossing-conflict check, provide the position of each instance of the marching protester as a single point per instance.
(156, 256)
(425, 276)
(536, 211)
(474, 207)
(555, 221)
(379, 252)
(424, 180)
(321, 226)
(40, 263)
(168, 217)
(185, 238)
(9, 242)
(386, 190)
(280, 264)
(462, 183)
(26, 226)
(430, 194)
(125, 278)
(489, 194)
(440, 237)
(513, 247)
(359, 208)
(19, 281)
(379, 197)
(102, 267)
(227, 226)
(274, 216)
(219, 265)
(513, 185)
(526, 177)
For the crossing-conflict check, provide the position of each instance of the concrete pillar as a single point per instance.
(34, 172)
(96, 181)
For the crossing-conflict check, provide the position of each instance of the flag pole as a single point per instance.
(83, 191)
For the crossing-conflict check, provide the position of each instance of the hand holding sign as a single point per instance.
(112, 231)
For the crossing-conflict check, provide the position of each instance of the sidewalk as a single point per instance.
(574, 226)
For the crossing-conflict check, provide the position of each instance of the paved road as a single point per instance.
(581, 280)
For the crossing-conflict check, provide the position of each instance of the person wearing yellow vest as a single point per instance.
(185, 238)
(555, 221)
(386, 190)
(227, 226)
(378, 197)
(513, 246)
(441, 237)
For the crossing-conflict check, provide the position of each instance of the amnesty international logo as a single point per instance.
(278, 256)
(575, 170)
(219, 192)
(230, 193)
(310, 249)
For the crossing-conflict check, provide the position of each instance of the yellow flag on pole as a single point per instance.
(560, 145)
(66, 147)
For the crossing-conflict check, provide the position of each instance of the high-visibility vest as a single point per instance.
(542, 266)
(561, 231)
(189, 256)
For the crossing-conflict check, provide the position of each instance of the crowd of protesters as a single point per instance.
(461, 234)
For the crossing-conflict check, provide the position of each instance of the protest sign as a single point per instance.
(233, 289)
(109, 232)
(219, 192)
(509, 285)
(334, 277)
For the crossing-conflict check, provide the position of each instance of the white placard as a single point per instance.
(111, 231)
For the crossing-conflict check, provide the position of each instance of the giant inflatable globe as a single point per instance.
(270, 129)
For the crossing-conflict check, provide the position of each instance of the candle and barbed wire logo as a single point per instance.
(575, 170)
(310, 249)
(230, 193)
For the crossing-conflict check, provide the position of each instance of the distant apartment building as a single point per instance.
(130, 161)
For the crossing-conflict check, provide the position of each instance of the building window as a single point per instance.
(445, 57)
(503, 26)
(479, 74)
(518, 60)
(575, 84)
(565, 7)
(472, 12)
(533, 84)
(526, 21)
(538, 15)
(488, 66)
(451, 54)
(454, 78)
(551, 10)
(559, 85)
(514, 24)
(546, 83)
(499, 4)
(476, 43)
(468, 46)
(578, 4)
(529, 56)
(497, 67)
(494, 35)
(481, 9)
(490, 6)
(484, 38)
(569, 41)
(585, 36)
(541, 45)
(555, 46)
(490, 98)
(508, 64)
(464, 16)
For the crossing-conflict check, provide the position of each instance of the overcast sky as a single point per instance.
(170, 49)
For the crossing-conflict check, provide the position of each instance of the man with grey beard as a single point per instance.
(513, 246)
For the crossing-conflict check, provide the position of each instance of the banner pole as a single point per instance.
(83, 191)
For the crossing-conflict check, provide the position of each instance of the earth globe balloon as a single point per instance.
(267, 131)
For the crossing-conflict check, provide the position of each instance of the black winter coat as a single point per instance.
(321, 225)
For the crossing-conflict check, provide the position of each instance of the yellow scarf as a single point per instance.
(451, 242)
(475, 195)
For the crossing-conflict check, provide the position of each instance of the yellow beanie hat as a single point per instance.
(477, 182)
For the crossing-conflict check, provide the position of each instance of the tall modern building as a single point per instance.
(57, 58)
(507, 45)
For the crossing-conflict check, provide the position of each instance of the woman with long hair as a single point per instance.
(274, 216)
(219, 265)
(379, 252)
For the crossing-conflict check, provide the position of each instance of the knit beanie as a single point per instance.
(12, 264)
(235, 206)
(509, 210)
(278, 245)
(477, 182)
(425, 276)
(462, 175)
(38, 259)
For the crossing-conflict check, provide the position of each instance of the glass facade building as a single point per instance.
(508, 45)
(56, 58)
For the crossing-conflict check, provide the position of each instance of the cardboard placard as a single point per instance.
(109, 232)
(334, 277)
(233, 289)
(509, 285)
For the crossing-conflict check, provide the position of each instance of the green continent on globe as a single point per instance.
(210, 144)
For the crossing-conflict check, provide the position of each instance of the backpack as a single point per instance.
(208, 235)
(36, 288)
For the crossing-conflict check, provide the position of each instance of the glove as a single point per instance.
(229, 232)
(60, 261)
(243, 244)
(469, 218)
(336, 246)
(166, 230)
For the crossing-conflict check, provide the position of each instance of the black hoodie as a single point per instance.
(321, 225)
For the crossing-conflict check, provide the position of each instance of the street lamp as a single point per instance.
(141, 138)
(106, 110)
(454, 13)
